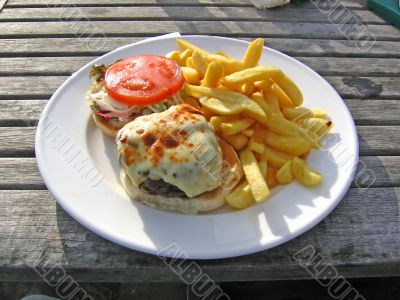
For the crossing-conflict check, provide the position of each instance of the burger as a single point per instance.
(137, 86)
(173, 160)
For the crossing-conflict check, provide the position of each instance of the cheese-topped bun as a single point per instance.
(173, 160)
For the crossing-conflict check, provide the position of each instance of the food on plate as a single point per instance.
(129, 88)
(173, 160)
(258, 110)
(255, 178)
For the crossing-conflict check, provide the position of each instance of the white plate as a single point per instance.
(79, 168)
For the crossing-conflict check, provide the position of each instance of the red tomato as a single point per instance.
(144, 79)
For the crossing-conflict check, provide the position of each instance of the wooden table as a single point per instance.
(41, 45)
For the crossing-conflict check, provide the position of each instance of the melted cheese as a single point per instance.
(177, 146)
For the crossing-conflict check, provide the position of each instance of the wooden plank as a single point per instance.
(22, 66)
(33, 226)
(299, 47)
(22, 173)
(379, 139)
(365, 87)
(364, 111)
(22, 3)
(226, 28)
(351, 66)
(41, 66)
(20, 87)
(17, 141)
(374, 112)
(21, 112)
(16, 173)
(23, 85)
(191, 13)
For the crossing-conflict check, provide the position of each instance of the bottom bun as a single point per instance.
(105, 126)
(201, 203)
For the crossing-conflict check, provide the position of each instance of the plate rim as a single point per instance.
(209, 255)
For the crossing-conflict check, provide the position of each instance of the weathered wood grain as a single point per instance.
(295, 14)
(21, 87)
(18, 3)
(379, 140)
(38, 87)
(299, 47)
(374, 112)
(22, 173)
(323, 65)
(225, 28)
(362, 231)
(20, 112)
(365, 87)
(17, 141)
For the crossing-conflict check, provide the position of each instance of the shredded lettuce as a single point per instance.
(95, 107)
(159, 107)
(98, 71)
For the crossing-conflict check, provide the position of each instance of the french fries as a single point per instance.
(250, 75)
(221, 107)
(284, 100)
(216, 121)
(253, 53)
(285, 174)
(199, 63)
(259, 98)
(238, 141)
(316, 126)
(273, 104)
(258, 185)
(241, 197)
(247, 105)
(213, 75)
(258, 110)
(234, 127)
(256, 147)
(184, 56)
(300, 113)
(304, 174)
(275, 158)
(271, 178)
(287, 128)
(263, 165)
(191, 75)
(291, 145)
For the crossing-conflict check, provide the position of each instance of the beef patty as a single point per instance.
(161, 188)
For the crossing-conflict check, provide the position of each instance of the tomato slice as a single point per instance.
(144, 79)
